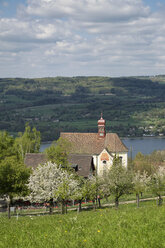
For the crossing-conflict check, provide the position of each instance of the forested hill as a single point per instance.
(132, 106)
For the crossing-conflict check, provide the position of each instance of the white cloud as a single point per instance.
(88, 10)
(85, 37)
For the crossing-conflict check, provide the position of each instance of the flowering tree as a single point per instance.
(104, 191)
(158, 183)
(90, 190)
(119, 180)
(67, 189)
(140, 183)
(82, 191)
(50, 182)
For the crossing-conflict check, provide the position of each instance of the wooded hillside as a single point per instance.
(132, 106)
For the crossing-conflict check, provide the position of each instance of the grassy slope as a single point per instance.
(127, 227)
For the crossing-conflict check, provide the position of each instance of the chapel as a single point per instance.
(100, 147)
(91, 153)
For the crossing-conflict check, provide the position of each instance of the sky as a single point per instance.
(48, 38)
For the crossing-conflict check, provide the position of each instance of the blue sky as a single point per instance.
(82, 37)
(154, 4)
(9, 8)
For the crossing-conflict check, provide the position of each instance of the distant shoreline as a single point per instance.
(126, 137)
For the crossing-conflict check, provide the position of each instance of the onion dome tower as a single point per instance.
(101, 127)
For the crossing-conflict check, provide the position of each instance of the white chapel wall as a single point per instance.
(101, 166)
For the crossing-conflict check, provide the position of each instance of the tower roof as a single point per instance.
(101, 121)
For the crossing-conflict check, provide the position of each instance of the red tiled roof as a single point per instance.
(91, 143)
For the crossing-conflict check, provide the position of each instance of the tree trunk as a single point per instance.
(160, 200)
(66, 210)
(116, 202)
(51, 206)
(79, 206)
(50, 209)
(137, 200)
(94, 205)
(63, 207)
(99, 201)
(8, 206)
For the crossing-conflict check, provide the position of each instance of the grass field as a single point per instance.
(103, 228)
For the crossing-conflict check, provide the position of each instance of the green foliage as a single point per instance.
(58, 152)
(119, 180)
(148, 163)
(90, 188)
(7, 148)
(67, 189)
(131, 105)
(140, 182)
(129, 227)
(143, 163)
(28, 142)
(158, 183)
(13, 177)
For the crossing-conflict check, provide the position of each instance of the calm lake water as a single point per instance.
(145, 145)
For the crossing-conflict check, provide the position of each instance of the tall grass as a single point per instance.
(104, 228)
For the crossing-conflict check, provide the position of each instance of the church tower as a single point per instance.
(101, 127)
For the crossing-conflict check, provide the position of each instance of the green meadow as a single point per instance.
(126, 227)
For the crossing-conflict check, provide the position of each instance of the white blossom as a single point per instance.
(158, 181)
(46, 183)
(140, 182)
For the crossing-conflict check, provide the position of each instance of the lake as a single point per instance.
(145, 145)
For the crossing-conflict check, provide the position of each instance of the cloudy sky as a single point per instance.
(40, 38)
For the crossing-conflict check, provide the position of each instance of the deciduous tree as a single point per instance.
(158, 184)
(58, 152)
(140, 183)
(28, 142)
(119, 180)
(50, 182)
(13, 178)
(7, 148)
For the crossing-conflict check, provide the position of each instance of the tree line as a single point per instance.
(14, 174)
(56, 181)
(50, 182)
